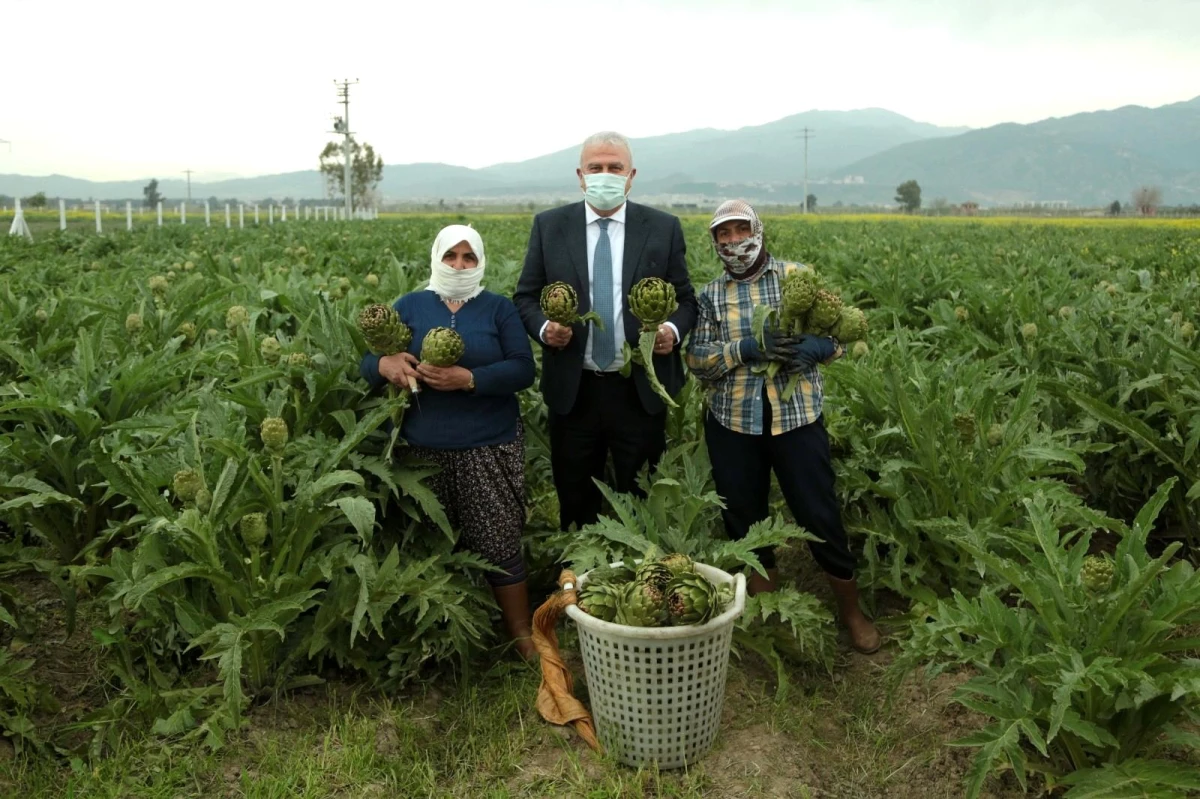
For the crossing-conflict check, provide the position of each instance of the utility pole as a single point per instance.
(806, 135)
(188, 172)
(342, 125)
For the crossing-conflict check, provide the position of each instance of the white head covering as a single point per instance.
(456, 285)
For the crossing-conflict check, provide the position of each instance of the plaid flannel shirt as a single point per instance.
(735, 391)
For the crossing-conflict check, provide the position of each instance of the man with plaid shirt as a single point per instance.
(751, 430)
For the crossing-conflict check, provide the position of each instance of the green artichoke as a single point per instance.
(995, 435)
(825, 311)
(1096, 573)
(610, 575)
(383, 331)
(641, 605)
(274, 432)
(253, 527)
(188, 331)
(442, 346)
(159, 284)
(236, 316)
(860, 349)
(652, 301)
(41, 316)
(204, 500)
(851, 325)
(372, 280)
(691, 599)
(1187, 331)
(187, 484)
(798, 290)
(961, 313)
(964, 423)
(560, 304)
(678, 564)
(652, 572)
(600, 600)
(270, 350)
(299, 359)
(1029, 331)
(133, 324)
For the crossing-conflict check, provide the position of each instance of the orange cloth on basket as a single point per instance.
(556, 700)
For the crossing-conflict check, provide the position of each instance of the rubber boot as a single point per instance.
(757, 584)
(514, 609)
(864, 636)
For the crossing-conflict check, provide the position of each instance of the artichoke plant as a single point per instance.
(188, 331)
(851, 325)
(798, 290)
(159, 284)
(600, 600)
(641, 605)
(691, 599)
(442, 346)
(298, 359)
(383, 331)
(133, 324)
(560, 303)
(236, 316)
(270, 350)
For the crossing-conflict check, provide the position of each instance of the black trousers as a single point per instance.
(608, 417)
(742, 466)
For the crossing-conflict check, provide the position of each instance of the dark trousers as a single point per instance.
(742, 466)
(608, 417)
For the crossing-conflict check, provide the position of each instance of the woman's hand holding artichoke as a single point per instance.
(444, 378)
(399, 369)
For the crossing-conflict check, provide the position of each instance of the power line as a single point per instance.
(806, 135)
(342, 125)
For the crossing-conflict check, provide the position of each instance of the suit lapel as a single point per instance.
(636, 233)
(576, 239)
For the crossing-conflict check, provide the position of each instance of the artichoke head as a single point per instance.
(270, 350)
(442, 346)
(187, 484)
(1096, 574)
(851, 325)
(600, 600)
(652, 301)
(691, 599)
(382, 329)
(798, 290)
(678, 564)
(641, 605)
(652, 572)
(133, 324)
(560, 303)
(965, 424)
(826, 310)
(274, 432)
(253, 528)
(236, 316)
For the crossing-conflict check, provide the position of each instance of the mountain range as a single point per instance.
(853, 157)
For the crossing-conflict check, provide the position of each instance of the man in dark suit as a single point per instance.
(602, 246)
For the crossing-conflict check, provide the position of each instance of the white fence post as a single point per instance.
(256, 213)
(183, 213)
(271, 214)
(241, 216)
(97, 216)
(62, 214)
(207, 215)
(227, 225)
(128, 215)
(296, 211)
(160, 213)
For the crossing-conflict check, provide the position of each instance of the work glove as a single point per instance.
(778, 348)
(810, 351)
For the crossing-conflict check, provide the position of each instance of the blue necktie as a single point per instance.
(604, 345)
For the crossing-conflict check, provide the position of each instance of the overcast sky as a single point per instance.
(128, 90)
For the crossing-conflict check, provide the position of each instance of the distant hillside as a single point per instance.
(1086, 159)
(763, 153)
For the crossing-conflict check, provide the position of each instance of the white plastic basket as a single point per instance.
(657, 693)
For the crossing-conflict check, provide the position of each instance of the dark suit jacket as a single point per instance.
(654, 247)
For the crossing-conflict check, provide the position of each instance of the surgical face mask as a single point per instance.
(604, 191)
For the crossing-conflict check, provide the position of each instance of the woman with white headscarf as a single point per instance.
(751, 430)
(467, 420)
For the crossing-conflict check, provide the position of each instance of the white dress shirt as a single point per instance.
(616, 240)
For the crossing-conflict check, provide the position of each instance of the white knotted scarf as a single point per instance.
(456, 285)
